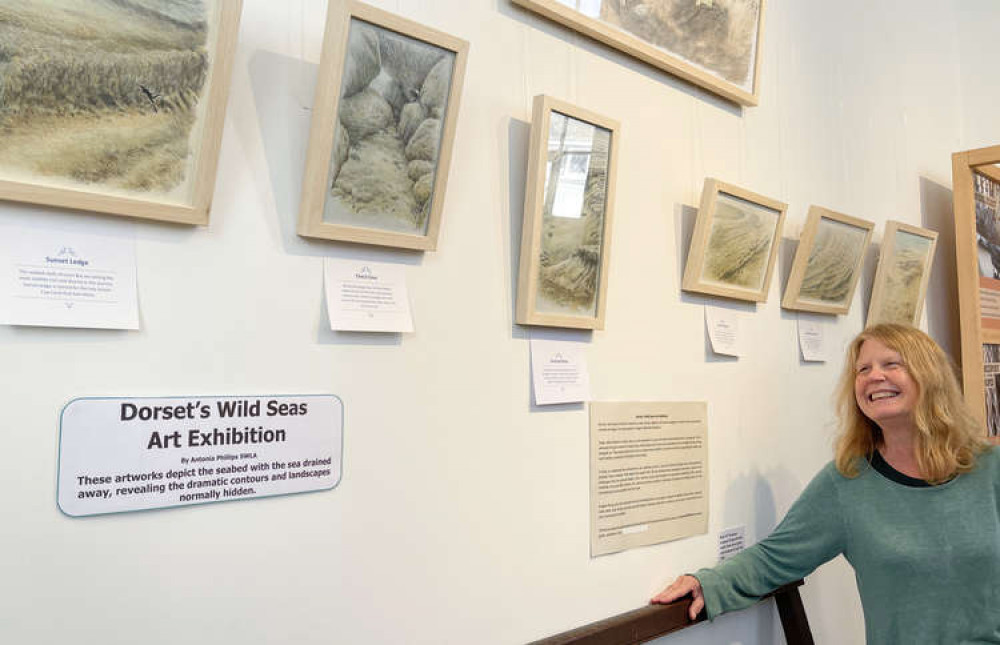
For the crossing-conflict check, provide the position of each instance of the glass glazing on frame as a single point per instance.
(904, 278)
(105, 97)
(575, 200)
(739, 243)
(390, 119)
(832, 262)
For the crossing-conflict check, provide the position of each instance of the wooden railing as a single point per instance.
(652, 621)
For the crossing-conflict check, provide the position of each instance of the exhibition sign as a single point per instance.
(122, 454)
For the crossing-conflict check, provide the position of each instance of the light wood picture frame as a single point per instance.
(976, 194)
(828, 262)
(712, 44)
(382, 129)
(136, 124)
(568, 215)
(904, 269)
(735, 243)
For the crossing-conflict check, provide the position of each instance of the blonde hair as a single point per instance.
(949, 438)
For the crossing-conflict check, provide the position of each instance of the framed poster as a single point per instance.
(828, 262)
(111, 108)
(714, 44)
(382, 129)
(976, 189)
(568, 210)
(904, 267)
(735, 243)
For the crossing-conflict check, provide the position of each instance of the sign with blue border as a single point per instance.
(118, 455)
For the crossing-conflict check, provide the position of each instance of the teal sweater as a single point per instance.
(926, 560)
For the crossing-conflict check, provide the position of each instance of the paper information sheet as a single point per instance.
(366, 296)
(724, 330)
(812, 340)
(559, 372)
(731, 542)
(648, 479)
(119, 455)
(52, 278)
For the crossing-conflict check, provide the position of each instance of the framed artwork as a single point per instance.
(714, 44)
(904, 267)
(976, 190)
(568, 211)
(382, 129)
(828, 262)
(115, 108)
(735, 243)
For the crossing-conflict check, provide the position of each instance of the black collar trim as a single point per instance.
(883, 468)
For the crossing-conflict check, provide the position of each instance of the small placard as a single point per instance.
(723, 330)
(367, 296)
(118, 455)
(559, 372)
(731, 542)
(812, 340)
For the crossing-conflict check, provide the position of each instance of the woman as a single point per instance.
(912, 500)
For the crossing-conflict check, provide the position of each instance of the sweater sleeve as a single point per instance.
(811, 533)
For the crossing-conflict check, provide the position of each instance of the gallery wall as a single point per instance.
(462, 516)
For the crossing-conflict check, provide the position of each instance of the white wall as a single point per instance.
(462, 516)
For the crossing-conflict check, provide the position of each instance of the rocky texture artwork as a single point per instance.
(904, 279)
(833, 261)
(390, 118)
(739, 245)
(575, 200)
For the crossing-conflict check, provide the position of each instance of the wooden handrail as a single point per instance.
(652, 621)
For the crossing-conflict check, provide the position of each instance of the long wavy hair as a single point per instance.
(949, 437)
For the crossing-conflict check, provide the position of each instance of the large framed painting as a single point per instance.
(568, 212)
(904, 268)
(735, 243)
(827, 263)
(976, 189)
(382, 129)
(714, 44)
(115, 107)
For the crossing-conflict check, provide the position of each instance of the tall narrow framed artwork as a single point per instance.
(976, 189)
(735, 243)
(568, 212)
(827, 264)
(115, 107)
(904, 268)
(383, 124)
(714, 44)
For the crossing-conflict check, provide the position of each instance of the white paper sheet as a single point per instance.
(367, 296)
(812, 340)
(559, 372)
(51, 277)
(724, 330)
(731, 542)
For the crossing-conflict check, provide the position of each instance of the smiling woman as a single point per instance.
(912, 501)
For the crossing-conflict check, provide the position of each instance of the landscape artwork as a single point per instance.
(900, 288)
(739, 244)
(394, 95)
(831, 269)
(106, 96)
(575, 198)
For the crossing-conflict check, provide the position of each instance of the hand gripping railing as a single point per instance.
(652, 621)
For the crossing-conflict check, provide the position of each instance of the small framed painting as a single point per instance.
(382, 129)
(828, 262)
(714, 44)
(904, 267)
(568, 211)
(735, 243)
(114, 108)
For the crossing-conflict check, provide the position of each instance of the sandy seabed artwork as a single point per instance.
(830, 270)
(576, 181)
(393, 101)
(904, 278)
(102, 95)
(739, 244)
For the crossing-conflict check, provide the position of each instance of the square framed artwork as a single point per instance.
(115, 110)
(904, 268)
(735, 243)
(382, 129)
(828, 262)
(568, 212)
(714, 44)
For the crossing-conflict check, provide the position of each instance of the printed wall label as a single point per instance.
(118, 454)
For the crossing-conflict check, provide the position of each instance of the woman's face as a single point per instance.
(883, 388)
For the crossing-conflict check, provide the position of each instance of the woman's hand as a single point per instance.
(679, 588)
